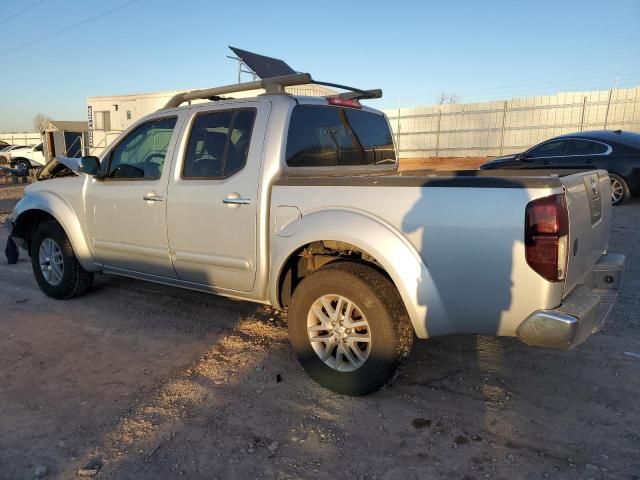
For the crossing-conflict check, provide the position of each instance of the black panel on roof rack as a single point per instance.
(264, 67)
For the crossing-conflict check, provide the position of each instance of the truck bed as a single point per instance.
(468, 228)
(434, 178)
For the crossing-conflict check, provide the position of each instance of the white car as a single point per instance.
(26, 158)
(5, 152)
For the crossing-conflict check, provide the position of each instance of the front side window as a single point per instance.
(142, 153)
(322, 136)
(585, 147)
(218, 144)
(549, 149)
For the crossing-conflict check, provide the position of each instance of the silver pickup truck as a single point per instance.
(297, 202)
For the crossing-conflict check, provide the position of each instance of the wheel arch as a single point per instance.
(36, 208)
(373, 241)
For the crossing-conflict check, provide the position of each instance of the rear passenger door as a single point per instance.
(213, 197)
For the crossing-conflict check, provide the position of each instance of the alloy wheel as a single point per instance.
(51, 261)
(617, 190)
(339, 333)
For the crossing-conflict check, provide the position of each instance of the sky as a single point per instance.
(56, 53)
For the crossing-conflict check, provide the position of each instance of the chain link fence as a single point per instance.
(502, 127)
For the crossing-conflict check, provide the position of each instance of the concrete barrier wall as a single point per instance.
(501, 127)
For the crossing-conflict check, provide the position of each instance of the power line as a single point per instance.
(26, 9)
(65, 29)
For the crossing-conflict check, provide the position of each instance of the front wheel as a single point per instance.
(57, 271)
(22, 166)
(620, 192)
(349, 328)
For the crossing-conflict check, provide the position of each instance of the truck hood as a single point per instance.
(70, 163)
(59, 167)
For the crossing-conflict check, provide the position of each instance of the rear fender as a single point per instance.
(382, 241)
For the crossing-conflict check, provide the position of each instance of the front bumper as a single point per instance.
(582, 312)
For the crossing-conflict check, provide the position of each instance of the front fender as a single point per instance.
(382, 241)
(64, 214)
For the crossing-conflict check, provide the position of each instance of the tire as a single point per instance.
(50, 244)
(23, 166)
(620, 192)
(374, 300)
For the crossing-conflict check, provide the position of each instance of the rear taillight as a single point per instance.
(344, 102)
(546, 234)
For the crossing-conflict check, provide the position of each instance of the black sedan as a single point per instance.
(616, 151)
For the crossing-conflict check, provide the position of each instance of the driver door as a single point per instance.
(126, 208)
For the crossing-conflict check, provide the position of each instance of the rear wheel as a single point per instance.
(57, 271)
(620, 192)
(349, 328)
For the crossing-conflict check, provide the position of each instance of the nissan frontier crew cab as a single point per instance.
(297, 202)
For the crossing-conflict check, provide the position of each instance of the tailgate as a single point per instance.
(589, 203)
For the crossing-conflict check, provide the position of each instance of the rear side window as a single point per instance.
(322, 136)
(585, 147)
(218, 144)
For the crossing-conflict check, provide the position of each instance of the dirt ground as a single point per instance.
(152, 382)
(442, 163)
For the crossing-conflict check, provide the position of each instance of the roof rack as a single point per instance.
(353, 93)
(270, 85)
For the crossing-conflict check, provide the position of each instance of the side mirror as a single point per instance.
(89, 165)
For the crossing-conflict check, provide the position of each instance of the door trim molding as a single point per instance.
(240, 264)
(129, 248)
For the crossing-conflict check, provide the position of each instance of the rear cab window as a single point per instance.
(329, 136)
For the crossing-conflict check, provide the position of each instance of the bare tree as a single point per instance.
(447, 99)
(40, 121)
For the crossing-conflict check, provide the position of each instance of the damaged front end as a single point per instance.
(59, 167)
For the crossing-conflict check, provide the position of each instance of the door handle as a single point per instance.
(153, 198)
(236, 201)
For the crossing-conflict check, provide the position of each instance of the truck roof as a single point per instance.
(273, 98)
